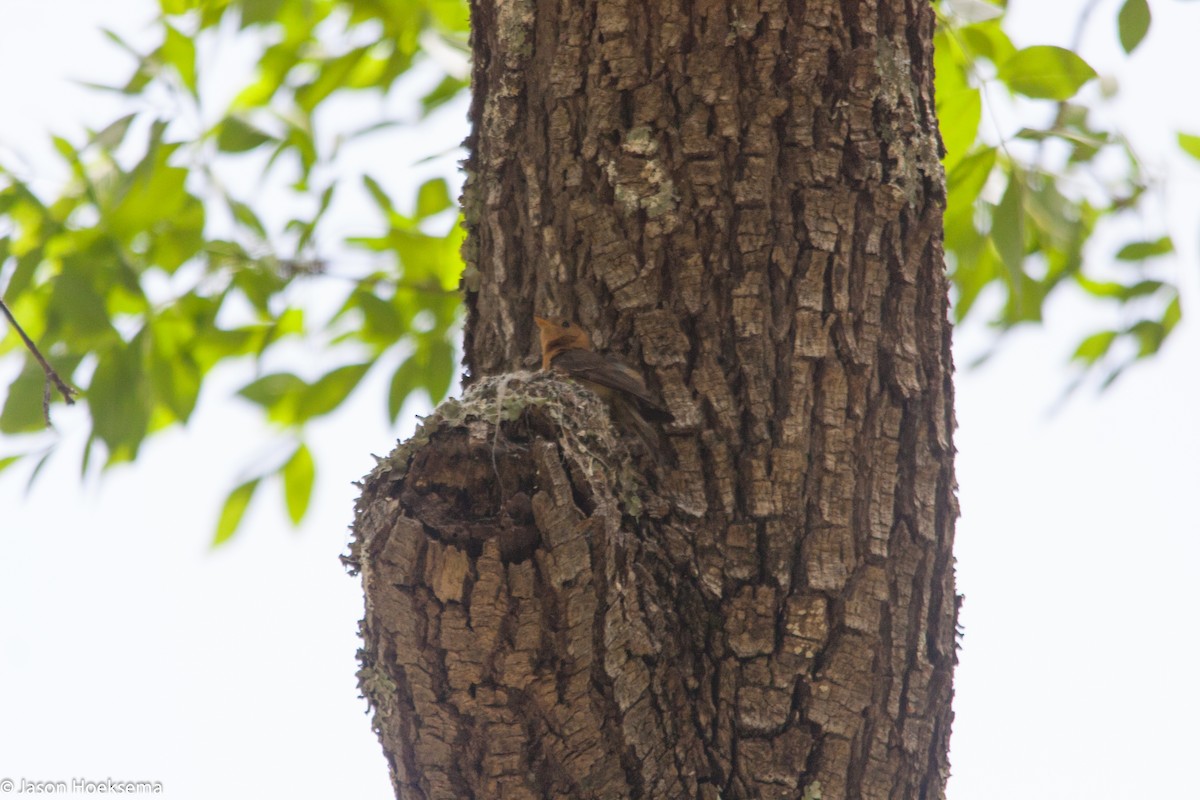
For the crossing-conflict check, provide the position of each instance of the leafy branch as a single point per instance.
(155, 264)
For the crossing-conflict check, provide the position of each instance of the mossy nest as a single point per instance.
(469, 470)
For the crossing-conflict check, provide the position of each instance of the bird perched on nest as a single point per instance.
(567, 348)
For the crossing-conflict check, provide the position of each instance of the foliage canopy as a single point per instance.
(159, 260)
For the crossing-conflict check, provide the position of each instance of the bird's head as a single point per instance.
(558, 335)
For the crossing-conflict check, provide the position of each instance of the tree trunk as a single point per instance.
(744, 199)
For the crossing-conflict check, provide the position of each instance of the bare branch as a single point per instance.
(52, 377)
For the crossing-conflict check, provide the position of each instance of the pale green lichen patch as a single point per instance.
(378, 689)
(582, 418)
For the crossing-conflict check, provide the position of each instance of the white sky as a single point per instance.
(130, 651)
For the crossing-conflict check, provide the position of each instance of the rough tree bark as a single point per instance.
(745, 198)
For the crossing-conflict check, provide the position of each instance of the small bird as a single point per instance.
(567, 348)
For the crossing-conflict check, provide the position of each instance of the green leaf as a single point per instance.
(236, 135)
(259, 281)
(1172, 314)
(147, 72)
(1045, 72)
(1094, 347)
(1008, 227)
(289, 323)
(1108, 289)
(116, 39)
(246, 217)
(449, 88)
(234, 509)
(381, 197)
(332, 74)
(435, 261)
(1026, 297)
(966, 180)
(1141, 289)
(440, 369)
(1051, 214)
(23, 406)
(119, 399)
(180, 52)
(111, 137)
(66, 150)
(273, 68)
(258, 12)
(174, 375)
(37, 468)
(958, 117)
(405, 379)
(1190, 144)
(988, 40)
(300, 139)
(431, 367)
(450, 15)
(308, 228)
(1139, 251)
(433, 198)
(80, 308)
(270, 391)
(1133, 21)
(1149, 335)
(179, 238)
(215, 345)
(299, 474)
(153, 197)
(328, 392)
(381, 320)
(975, 264)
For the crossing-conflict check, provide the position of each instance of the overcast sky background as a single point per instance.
(129, 650)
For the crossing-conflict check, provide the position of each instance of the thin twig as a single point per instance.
(52, 376)
(1084, 16)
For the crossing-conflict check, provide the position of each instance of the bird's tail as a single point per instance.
(654, 443)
